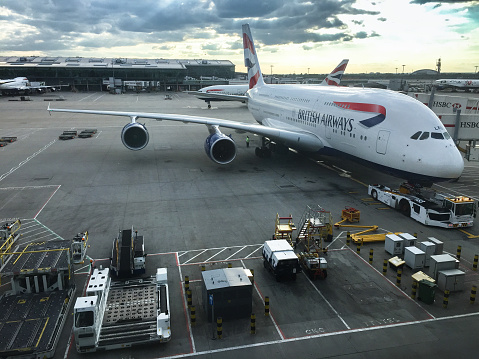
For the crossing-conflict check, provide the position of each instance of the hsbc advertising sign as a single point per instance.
(444, 104)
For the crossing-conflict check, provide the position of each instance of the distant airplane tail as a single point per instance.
(334, 78)
(251, 59)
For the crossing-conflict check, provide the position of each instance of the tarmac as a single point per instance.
(193, 213)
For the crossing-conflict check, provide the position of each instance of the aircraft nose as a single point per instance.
(457, 165)
(452, 163)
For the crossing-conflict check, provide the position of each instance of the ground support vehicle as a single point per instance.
(87, 133)
(67, 135)
(314, 265)
(280, 259)
(128, 254)
(352, 215)
(284, 228)
(8, 237)
(34, 310)
(316, 226)
(7, 139)
(78, 247)
(122, 313)
(427, 206)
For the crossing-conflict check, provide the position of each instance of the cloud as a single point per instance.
(66, 24)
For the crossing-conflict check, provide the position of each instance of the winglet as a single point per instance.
(255, 76)
(334, 78)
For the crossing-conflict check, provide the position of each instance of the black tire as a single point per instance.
(324, 274)
(405, 208)
(374, 194)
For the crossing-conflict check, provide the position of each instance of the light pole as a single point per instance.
(403, 69)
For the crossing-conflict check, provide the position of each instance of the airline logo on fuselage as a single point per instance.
(345, 123)
(365, 107)
(328, 120)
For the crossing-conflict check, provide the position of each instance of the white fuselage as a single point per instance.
(338, 117)
(225, 89)
(18, 83)
(458, 83)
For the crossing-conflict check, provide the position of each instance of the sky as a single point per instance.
(291, 36)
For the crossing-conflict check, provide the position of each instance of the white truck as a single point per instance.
(280, 258)
(427, 206)
(120, 314)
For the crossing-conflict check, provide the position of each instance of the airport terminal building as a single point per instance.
(96, 74)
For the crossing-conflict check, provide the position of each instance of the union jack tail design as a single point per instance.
(251, 59)
(334, 78)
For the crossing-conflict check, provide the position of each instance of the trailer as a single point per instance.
(121, 309)
(314, 265)
(122, 313)
(38, 302)
(427, 206)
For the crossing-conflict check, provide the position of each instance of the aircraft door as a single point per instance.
(382, 141)
(327, 131)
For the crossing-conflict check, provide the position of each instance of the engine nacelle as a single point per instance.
(135, 136)
(220, 148)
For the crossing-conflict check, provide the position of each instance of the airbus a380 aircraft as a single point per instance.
(378, 127)
(238, 92)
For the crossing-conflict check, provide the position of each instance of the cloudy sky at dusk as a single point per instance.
(290, 35)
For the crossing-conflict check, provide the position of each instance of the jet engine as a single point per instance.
(220, 148)
(135, 136)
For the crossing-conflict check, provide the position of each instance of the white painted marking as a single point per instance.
(98, 98)
(327, 302)
(216, 254)
(5, 175)
(270, 314)
(249, 255)
(84, 98)
(48, 200)
(203, 251)
(333, 334)
(239, 250)
(185, 305)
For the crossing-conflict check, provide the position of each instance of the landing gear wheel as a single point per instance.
(209, 105)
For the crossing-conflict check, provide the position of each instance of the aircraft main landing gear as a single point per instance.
(266, 148)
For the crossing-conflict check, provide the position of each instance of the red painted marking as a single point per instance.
(247, 44)
(254, 80)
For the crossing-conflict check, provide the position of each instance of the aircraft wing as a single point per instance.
(302, 139)
(219, 96)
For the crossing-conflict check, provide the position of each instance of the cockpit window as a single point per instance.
(424, 136)
(446, 135)
(437, 135)
(416, 135)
